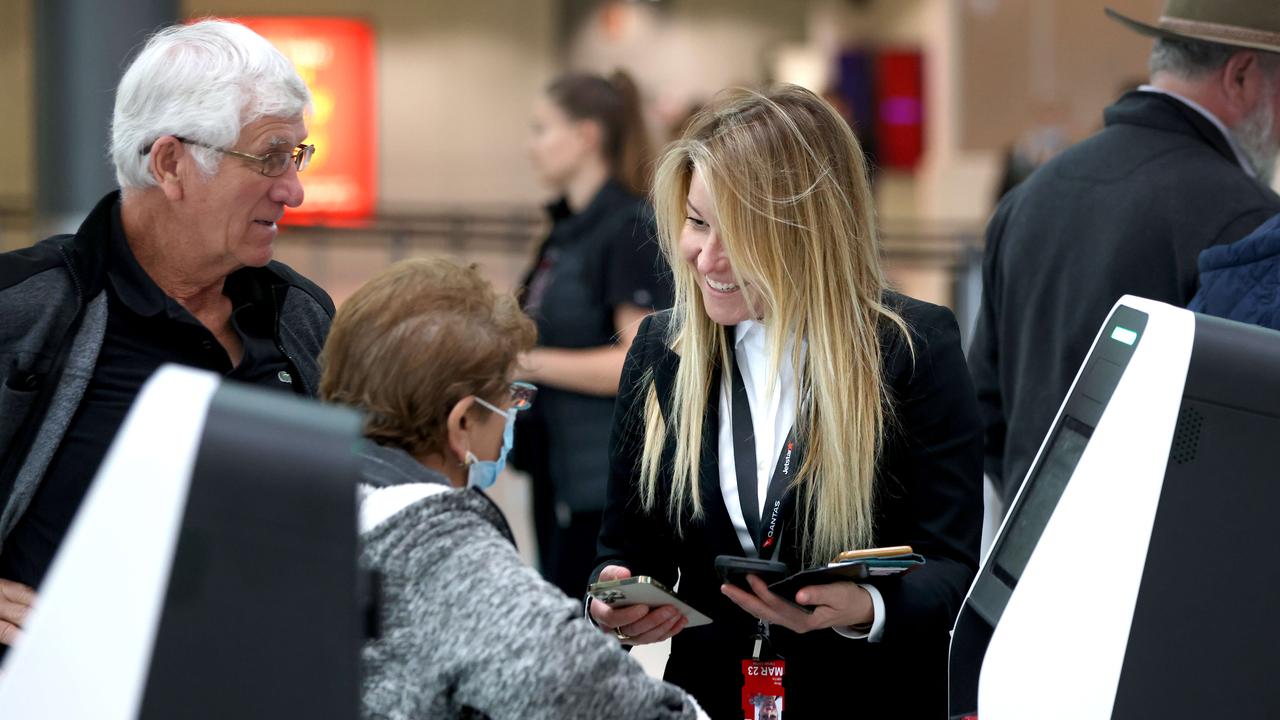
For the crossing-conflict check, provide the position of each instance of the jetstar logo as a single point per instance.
(786, 460)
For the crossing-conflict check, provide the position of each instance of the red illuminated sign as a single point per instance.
(900, 103)
(335, 56)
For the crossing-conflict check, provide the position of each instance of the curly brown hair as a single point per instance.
(413, 341)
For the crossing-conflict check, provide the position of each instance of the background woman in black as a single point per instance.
(859, 396)
(595, 277)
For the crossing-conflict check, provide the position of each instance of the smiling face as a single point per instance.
(233, 215)
(726, 302)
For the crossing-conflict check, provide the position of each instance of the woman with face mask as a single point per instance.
(790, 407)
(427, 350)
(595, 277)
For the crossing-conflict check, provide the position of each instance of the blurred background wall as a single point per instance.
(455, 83)
(456, 80)
(17, 77)
(940, 92)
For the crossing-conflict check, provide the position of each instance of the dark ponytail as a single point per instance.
(615, 104)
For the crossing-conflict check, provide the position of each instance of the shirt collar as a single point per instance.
(749, 335)
(1241, 158)
(135, 288)
(131, 283)
(604, 202)
(559, 210)
(751, 339)
(384, 466)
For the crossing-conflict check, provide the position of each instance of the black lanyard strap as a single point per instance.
(765, 528)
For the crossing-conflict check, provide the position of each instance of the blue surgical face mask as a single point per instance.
(482, 474)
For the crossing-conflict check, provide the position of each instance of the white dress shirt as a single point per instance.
(1241, 158)
(773, 412)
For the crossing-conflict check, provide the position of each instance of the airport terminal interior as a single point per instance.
(1125, 471)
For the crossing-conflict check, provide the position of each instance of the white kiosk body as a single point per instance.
(1132, 576)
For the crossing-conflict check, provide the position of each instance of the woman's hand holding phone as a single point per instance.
(635, 624)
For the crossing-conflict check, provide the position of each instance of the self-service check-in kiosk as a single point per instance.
(1136, 572)
(211, 570)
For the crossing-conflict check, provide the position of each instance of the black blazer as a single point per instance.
(929, 496)
(1127, 211)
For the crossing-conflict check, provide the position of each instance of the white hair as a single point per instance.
(1187, 58)
(1255, 133)
(204, 81)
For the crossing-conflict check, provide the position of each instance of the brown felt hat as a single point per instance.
(1253, 24)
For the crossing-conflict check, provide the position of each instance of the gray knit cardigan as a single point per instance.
(469, 631)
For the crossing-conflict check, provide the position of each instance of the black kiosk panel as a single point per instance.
(262, 617)
(1205, 641)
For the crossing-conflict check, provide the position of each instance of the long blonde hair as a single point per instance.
(789, 186)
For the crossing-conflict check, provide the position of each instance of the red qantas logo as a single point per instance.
(773, 524)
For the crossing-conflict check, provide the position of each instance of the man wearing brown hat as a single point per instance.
(1182, 164)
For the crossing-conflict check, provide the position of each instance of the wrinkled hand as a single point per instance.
(639, 623)
(16, 600)
(838, 604)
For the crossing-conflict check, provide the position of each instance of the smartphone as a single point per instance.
(734, 570)
(817, 576)
(644, 590)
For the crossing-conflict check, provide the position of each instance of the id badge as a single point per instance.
(762, 691)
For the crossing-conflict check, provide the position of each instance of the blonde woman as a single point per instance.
(789, 391)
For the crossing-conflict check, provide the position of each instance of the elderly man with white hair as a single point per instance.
(207, 140)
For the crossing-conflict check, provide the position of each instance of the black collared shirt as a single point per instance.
(593, 262)
(145, 329)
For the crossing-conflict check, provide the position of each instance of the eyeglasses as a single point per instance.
(522, 395)
(273, 164)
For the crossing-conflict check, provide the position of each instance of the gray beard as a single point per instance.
(1256, 137)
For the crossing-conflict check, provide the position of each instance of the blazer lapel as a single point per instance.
(716, 523)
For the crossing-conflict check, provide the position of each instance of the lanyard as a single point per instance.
(764, 528)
